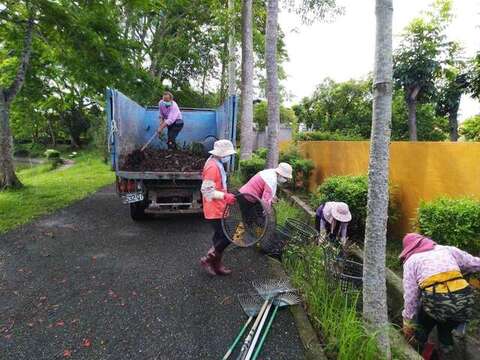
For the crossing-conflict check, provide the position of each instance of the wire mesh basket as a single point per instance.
(345, 274)
(247, 221)
(274, 243)
(301, 232)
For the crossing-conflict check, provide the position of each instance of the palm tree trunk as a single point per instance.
(374, 286)
(246, 139)
(272, 83)
(231, 50)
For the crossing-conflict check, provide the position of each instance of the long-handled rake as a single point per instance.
(281, 300)
(251, 305)
(267, 290)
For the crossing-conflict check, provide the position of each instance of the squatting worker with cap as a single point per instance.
(435, 292)
(171, 118)
(264, 184)
(332, 219)
(215, 199)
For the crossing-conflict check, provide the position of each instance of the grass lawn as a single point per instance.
(46, 190)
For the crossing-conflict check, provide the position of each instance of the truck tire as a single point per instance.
(137, 211)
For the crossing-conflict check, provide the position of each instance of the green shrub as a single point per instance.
(453, 222)
(302, 168)
(326, 136)
(352, 190)
(52, 154)
(248, 168)
(261, 152)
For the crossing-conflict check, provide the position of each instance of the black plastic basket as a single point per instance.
(301, 232)
(274, 244)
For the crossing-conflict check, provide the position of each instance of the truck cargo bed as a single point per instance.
(160, 175)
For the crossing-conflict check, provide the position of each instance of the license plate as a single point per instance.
(132, 197)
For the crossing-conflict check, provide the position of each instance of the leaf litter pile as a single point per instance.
(162, 161)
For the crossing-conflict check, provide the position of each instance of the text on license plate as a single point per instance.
(133, 197)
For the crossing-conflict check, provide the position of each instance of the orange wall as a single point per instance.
(418, 171)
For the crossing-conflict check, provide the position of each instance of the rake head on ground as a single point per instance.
(251, 303)
(270, 288)
(287, 299)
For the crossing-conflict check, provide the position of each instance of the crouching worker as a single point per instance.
(435, 292)
(332, 220)
(215, 199)
(264, 186)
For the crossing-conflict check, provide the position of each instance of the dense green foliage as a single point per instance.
(452, 222)
(248, 168)
(287, 116)
(47, 190)
(470, 128)
(326, 136)
(302, 168)
(352, 190)
(136, 46)
(343, 112)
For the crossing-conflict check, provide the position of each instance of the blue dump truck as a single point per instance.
(131, 125)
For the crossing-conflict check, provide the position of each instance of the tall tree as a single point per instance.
(273, 98)
(374, 285)
(231, 50)
(8, 178)
(474, 78)
(246, 136)
(418, 59)
(452, 86)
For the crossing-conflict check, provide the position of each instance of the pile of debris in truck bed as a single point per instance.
(160, 160)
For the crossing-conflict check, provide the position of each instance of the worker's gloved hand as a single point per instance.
(408, 330)
(230, 198)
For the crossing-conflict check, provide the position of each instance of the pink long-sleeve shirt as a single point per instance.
(171, 113)
(263, 185)
(421, 266)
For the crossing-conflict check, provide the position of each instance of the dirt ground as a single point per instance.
(162, 160)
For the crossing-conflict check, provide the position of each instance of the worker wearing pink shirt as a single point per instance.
(264, 186)
(171, 118)
(435, 291)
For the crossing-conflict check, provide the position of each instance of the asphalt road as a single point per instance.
(89, 283)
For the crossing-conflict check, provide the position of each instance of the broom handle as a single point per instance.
(237, 339)
(257, 334)
(265, 333)
(248, 339)
(148, 142)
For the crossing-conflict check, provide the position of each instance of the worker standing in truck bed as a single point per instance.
(171, 118)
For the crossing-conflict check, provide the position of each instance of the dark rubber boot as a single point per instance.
(219, 268)
(208, 262)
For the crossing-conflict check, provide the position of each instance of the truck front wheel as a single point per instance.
(137, 210)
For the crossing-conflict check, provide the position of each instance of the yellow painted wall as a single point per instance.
(418, 170)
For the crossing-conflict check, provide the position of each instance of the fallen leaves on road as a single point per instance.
(86, 343)
(67, 353)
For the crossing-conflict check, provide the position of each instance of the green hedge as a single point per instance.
(326, 136)
(302, 168)
(248, 168)
(453, 222)
(352, 190)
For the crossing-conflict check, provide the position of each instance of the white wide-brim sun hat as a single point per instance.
(222, 148)
(341, 212)
(285, 170)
